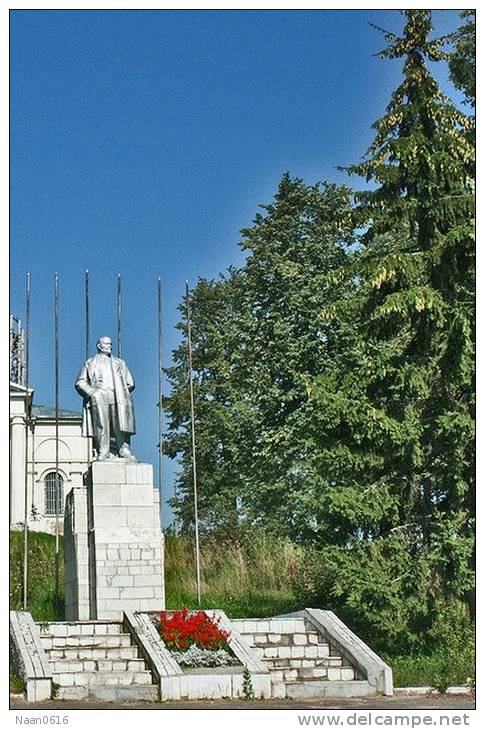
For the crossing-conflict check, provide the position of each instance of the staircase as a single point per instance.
(96, 660)
(301, 663)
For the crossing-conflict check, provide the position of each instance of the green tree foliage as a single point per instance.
(258, 343)
(335, 370)
(462, 61)
(404, 417)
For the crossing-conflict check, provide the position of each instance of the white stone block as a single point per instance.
(263, 626)
(312, 638)
(278, 691)
(259, 638)
(108, 593)
(122, 581)
(295, 663)
(286, 626)
(249, 626)
(347, 674)
(108, 495)
(209, 687)
(139, 473)
(64, 679)
(277, 675)
(319, 672)
(110, 516)
(82, 679)
(297, 651)
(284, 651)
(299, 639)
(58, 629)
(141, 591)
(311, 651)
(333, 674)
(141, 516)
(108, 473)
(291, 674)
(275, 626)
(144, 580)
(274, 637)
(323, 650)
(136, 495)
(270, 652)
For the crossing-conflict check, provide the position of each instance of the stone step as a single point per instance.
(61, 630)
(103, 678)
(327, 662)
(109, 693)
(334, 689)
(270, 625)
(313, 652)
(137, 664)
(268, 640)
(86, 641)
(86, 653)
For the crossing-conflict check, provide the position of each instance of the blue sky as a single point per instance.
(142, 141)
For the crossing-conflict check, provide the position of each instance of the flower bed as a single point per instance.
(195, 639)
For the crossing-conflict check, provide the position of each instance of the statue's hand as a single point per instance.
(95, 395)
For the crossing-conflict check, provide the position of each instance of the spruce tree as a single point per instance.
(402, 517)
(258, 344)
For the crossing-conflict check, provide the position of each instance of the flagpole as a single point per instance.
(57, 494)
(119, 313)
(192, 419)
(160, 401)
(26, 489)
(86, 344)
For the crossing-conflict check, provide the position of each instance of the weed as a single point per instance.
(247, 687)
(17, 684)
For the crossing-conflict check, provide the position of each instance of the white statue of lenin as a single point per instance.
(106, 383)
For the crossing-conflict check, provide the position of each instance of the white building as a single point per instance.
(33, 455)
(32, 433)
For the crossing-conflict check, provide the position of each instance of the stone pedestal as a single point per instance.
(114, 520)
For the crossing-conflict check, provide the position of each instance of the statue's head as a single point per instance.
(104, 345)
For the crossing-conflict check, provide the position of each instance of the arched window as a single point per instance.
(54, 494)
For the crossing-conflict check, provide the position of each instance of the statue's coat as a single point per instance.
(89, 378)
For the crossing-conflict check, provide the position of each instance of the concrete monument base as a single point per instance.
(113, 543)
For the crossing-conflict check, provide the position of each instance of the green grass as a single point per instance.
(249, 579)
(437, 670)
(244, 580)
(44, 601)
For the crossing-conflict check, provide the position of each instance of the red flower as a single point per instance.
(182, 629)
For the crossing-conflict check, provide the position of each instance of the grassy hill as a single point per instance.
(244, 580)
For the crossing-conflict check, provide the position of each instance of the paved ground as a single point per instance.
(445, 702)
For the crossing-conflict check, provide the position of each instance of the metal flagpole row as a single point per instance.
(160, 401)
(192, 418)
(86, 346)
(119, 313)
(26, 490)
(57, 494)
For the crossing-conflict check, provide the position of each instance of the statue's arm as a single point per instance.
(82, 383)
(130, 382)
